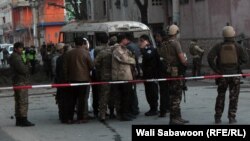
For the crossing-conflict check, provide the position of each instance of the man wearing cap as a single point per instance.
(173, 57)
(59, 51)
(196, 52)
(160, 38)
(20, 78)
(226, 58)
(122, 61)
(57, 77)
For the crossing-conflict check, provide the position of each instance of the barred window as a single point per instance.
(199, 0)
(156, 2)
(182, 2)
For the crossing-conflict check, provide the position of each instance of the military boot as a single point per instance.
(23, 122)
(102, 117)
(217, 120)
(151, 113)
(112, 114)
(176, 121)
(183, 120)
(18, 121)
(232, 120)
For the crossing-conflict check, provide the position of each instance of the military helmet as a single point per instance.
(228, 32)
(173, 29)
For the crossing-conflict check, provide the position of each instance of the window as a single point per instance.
(199, 0)
(125, 3)
(4, 20)
(118, 4)
(104, 8)
(156, 2)
(182, 2)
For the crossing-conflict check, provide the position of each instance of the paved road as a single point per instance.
(199, 109)
(5, 137)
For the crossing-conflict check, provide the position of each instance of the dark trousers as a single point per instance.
(62, 100)
(112, 99)
(164, 96)
(134, 101)
(196, 70)
(123, 94)
(76, 99)
(95, 94)
(62, 95)
(151, 90)
(59, 102)
(33, 66)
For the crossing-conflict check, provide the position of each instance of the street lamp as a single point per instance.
(34, 6)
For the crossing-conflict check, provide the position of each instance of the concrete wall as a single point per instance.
(99, 13)
(125, 12)
(205, 19)
(156, 13)
(5, 28)
(240, 16)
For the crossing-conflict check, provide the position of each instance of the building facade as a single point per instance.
(114, 10)
(206, 18)
(30, 21)
(6, 25)
(51, 19)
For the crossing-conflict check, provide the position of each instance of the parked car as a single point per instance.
(5, 45)
(10, 49)
(90, 30)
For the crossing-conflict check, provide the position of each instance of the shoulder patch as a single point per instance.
(149, 51)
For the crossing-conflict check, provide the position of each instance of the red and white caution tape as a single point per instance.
(122, 82)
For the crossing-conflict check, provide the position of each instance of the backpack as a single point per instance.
(166, 52)
(228, 54)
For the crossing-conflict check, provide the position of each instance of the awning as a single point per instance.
(51, 24)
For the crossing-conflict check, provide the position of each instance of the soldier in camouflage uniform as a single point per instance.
(172, 55)
(103, 66)
(226, 58)
(95, 77)
(196, 52)
(20, 78)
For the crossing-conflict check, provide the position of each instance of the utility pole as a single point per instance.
(34, 6)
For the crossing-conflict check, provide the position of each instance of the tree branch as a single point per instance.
(75, 7)
(139, 4)
(61, 6)
(145, 3)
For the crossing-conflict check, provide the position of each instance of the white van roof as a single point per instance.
(108, 27)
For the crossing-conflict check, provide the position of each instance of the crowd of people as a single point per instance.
(116, 59)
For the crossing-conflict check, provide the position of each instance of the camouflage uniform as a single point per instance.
(122, 61)
(104, 66)
(96, 78)
(197, 58)
(169, 55)
(21, 74)
(224, 83)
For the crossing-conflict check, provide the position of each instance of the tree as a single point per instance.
(76, 8)
(144, 10)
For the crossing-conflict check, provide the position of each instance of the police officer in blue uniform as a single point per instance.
(150, 62)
